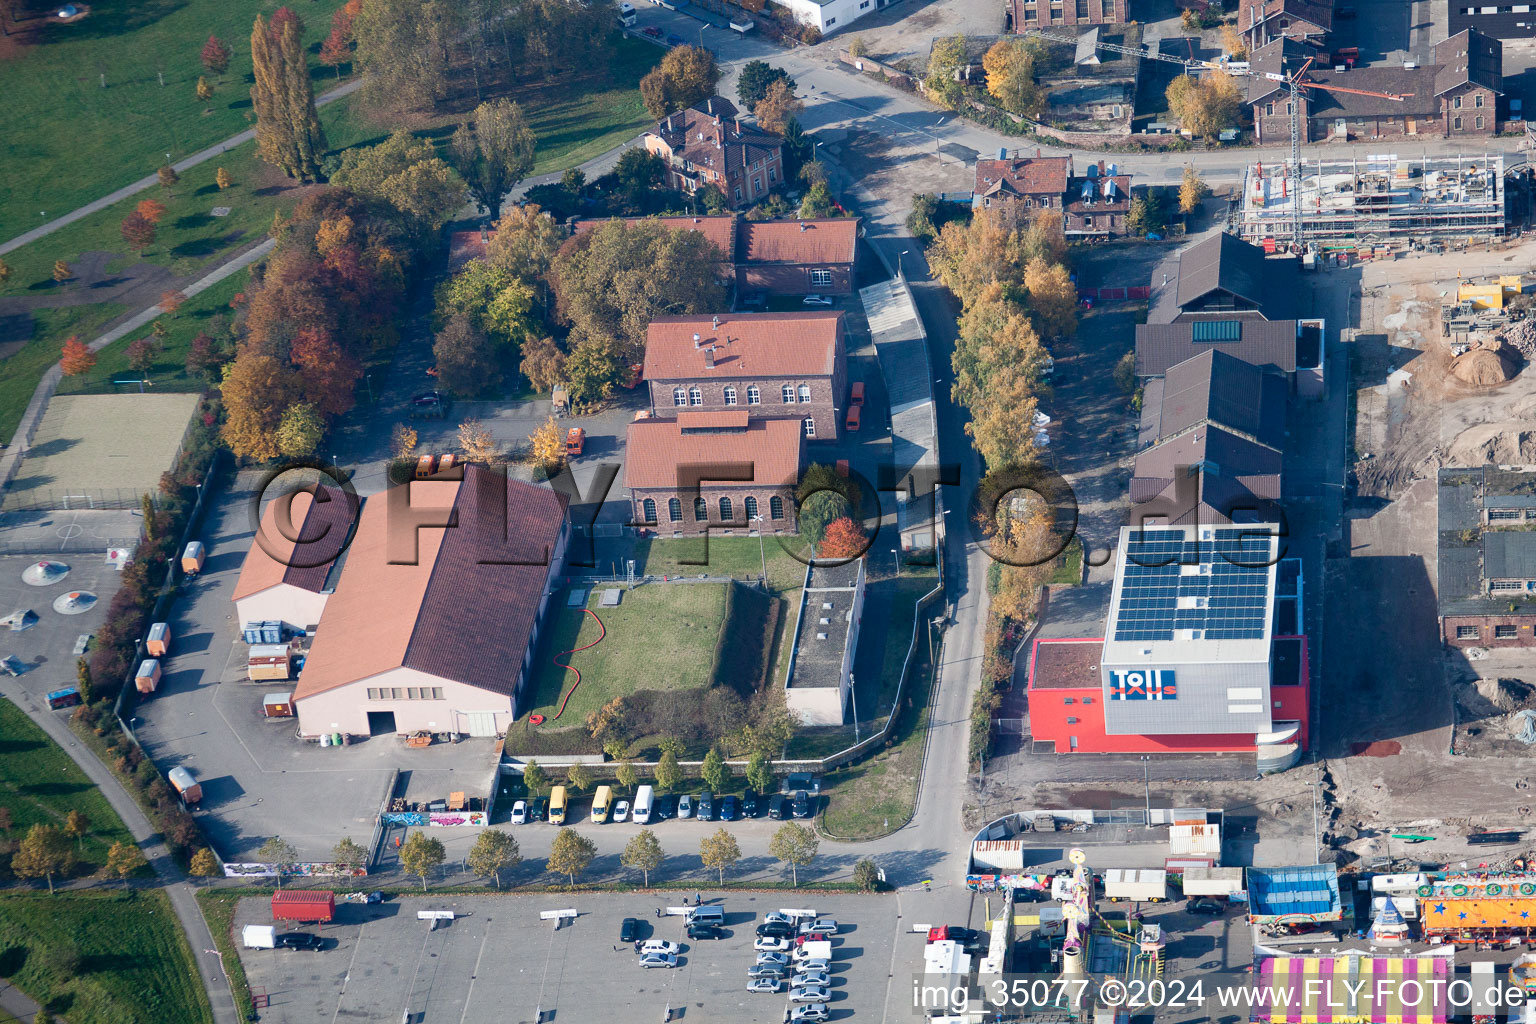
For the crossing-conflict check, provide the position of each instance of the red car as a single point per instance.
(652, 31)
(801, 940)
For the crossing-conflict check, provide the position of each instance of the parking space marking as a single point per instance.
(345, 978)
(469, 989)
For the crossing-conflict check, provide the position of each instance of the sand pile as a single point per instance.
(1484, 367)
(1521, 336)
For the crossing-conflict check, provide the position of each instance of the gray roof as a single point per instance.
(1468, 554)
(1215, 387)
(1509, 501)
(820, 647)
(902, 350)
(1469, 57)
(1209, 474)
(1281, 56)
(1415, 85)
(1509, 554)
(1264, 343)
(1222, 269)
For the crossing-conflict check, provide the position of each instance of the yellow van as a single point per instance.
(557, 806)
(602, 803)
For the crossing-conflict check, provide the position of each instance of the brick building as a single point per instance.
(781, 366)
(1096, 206)
(780, 257)
(707, 144)
(1093, 204)
(713, 471)
(1455, 96)
(1487, 557)
(1028, 15)
(1263, 21)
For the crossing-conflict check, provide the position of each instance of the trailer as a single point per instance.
(147, 678)
(304, 905)
(270, 661)
(186, 786)
(65, 698)
(192, 557)
(1204, 881)
(258, 936)
(158, 642)
(1146, 886)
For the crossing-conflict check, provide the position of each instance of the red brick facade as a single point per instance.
(1512, 630)
(727, 508)
(707, 144)
(1034, 14)
(826, 398)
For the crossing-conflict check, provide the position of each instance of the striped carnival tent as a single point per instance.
(1352, 990)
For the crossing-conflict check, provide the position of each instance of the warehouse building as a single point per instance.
(289, 571)
(1487, 556)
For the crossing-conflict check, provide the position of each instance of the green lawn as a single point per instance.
(218, 907)
(576, 122)
(660, 637)
(135, 964)
(20, 373)
(71, 141)
(1067, 569)
(739, 557)
(40, 784)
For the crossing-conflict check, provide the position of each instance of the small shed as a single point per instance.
(186, 785)
(304, 905)
(277, 705)
(158, 642)
(148, 675)
(270, 661)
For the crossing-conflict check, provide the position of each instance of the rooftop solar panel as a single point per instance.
(1218, 586)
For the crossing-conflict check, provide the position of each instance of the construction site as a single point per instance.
(1375, 206)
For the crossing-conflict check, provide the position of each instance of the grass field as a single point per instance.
(660, 637)
(28, 756)
(738, 557)
(576, 123)
(71, 141)
(134, 962)
(20, 372)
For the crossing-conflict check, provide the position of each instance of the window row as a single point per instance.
(789, 394)
(1476, 632)
(727, 507)
(405, 693)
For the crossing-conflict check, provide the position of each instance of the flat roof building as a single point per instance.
(1487, 556)
(819, 682)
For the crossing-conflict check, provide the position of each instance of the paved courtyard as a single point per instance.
(47, 648)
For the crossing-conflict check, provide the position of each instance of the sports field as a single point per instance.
(95, 447)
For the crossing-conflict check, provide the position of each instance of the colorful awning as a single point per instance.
(1353, 990)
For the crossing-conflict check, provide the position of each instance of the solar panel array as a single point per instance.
(1232, 579)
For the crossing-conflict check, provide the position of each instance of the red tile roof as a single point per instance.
(656, 448)
(829, 240)
(464, 246)
(298, 552)
(725, 418)
(1031, 176)
(745, 345)
(719, 230)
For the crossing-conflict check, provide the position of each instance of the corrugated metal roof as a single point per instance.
(1509, 554)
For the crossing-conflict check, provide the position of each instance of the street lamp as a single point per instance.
(901, 273)
(853, 694)
(761, 552)
(1146, 788)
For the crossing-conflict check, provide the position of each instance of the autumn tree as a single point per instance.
(715, 772)
(222, 179)
(719, 851)
(215, 55)
(205, 356)
(478, 443)
(494, 852)
(997, 361)
(171, 300)
(946, 59)
(402, 441)
(495, 154)
(150, 209)
(685, 76)
(1207, 105)
(525, 242)
(126, 859)
(288, 132)
(402, 50)
(204, 864)
(466, 359)
(299, 430)
(1052, 297)
(138, 231)
(755, 77)
(548, 445)
(43, 853)
(777, 107)
(349, 854)
(669, 774)
(969, 256)
(76, 358)
(866, 875)
(168, 177)
(421, 855)
(406, 173)
(335, 51)
(77, 826)
(5, 272)
(328, 373)
(570, 854)
(795, 845)
(543, 363)
(842, 540)
(1192, 190)
(204, 89)
(142, 353)
(499, 303)
(256, 389)
(1234, 42)
(62, 271)
(1010, 67)
(643, 853)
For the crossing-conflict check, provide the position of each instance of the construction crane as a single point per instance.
(1293, 84)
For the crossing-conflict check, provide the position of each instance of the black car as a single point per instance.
(704, 931)
(729, 808)
(664, 808)
(776, 929)
(299, 940)
(629, 930)
(749, 803)
(706, 803)
(1208, 907)
(802, 804)
(778, 807)
(538, 809)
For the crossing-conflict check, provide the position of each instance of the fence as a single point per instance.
(35, 543)
(46, 499)
(1132, 294)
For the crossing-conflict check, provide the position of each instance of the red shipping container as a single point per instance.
(304, 905)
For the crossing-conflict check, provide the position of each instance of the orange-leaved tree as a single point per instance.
(843, 539)
(76, 358)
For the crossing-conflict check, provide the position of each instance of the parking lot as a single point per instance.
(508, 965)
(46, 650)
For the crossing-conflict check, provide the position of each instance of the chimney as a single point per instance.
(803, 225)
(1101, 168)
(697, 341)
(709, 105)
(709, 358)
(717, 323)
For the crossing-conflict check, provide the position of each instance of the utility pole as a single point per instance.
(761, 553)
(1317, 842)
(1146, 788)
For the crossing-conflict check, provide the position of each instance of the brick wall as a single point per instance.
(1486, 626)
(794, 280)
(1469, 112)
(716, 523)
(827, 398)
(1048, 13)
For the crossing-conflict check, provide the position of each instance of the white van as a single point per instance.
(627, 15)
(644, 797)
(711, 914)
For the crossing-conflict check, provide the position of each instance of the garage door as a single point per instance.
(482, 723)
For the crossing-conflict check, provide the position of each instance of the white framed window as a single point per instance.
(1456, 124)
(695, 396)
(730, 396)
(679, 396)
(821, 278)
(648, 510)
(1505, 632)
(1468, 633)
(1479, 121)
(750, 505)
(805, 392)
(1477, 101)
(754, 396)
(810, 427)
(788, 394)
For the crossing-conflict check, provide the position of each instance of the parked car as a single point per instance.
(771, 944)
(673, 39)
(658, 960)
(766, 971)
(706, 811)
(621, 810)
(802, 804)
(685, 806)
(299, 940)
(652, 31)
(775, 959)
(953, 932)
(810, 994)
(520, 812)
(659, 946)
(1206, 906)
(729, 808)
(805, 937)
(665, 807)
(825, 925)
(705, 931)
(778, 917)
(749, 803)
(810, 1012)
(803, 979)
(629, 930)
(776, 929)
(778, 807)
(769, 985)
(810, 966)
(816, 300)
(538, 810)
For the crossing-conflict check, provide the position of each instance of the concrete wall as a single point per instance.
(345, 709)
(296, 608)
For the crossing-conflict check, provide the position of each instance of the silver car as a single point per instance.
(774, 971)
(769, 985)
(810, 1012)
(805, 978)
(810, 994)
(776, 959)
(812, 967)
(685, 807)
(658, 960)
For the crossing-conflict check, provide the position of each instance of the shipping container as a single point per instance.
(186, 785)
(148, 675)
(304, 905)
(251, 633)
(65, 698)
(277, 705)
(272, 632)
(269, 661)
(192, 558)
(158, 643)
(998, 854)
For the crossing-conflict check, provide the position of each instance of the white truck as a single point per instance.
(1222, 882)
(820, 950)
(627, 15)
(1143, 886)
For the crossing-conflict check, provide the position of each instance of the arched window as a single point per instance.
(775, 507)
(700, 510)
(788, 394)
(730, 396)
(805, 392)
(674, 510)
(648, 507)
(754, 396)
(751, 507)
(695, 396)
(725, 510)
(679, 396)
(810, 427)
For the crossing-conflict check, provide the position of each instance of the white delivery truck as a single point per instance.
(627, 15)
(820, 950)
(1144, 886)
(645, 799)
(1221, 882)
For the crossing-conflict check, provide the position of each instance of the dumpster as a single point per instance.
(148, 675)
(158, 643)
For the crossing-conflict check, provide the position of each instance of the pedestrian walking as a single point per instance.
(698, 900)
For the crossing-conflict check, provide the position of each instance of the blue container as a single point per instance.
(252, 633)
(271, 632)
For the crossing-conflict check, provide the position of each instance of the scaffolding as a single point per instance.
(1381, 201)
